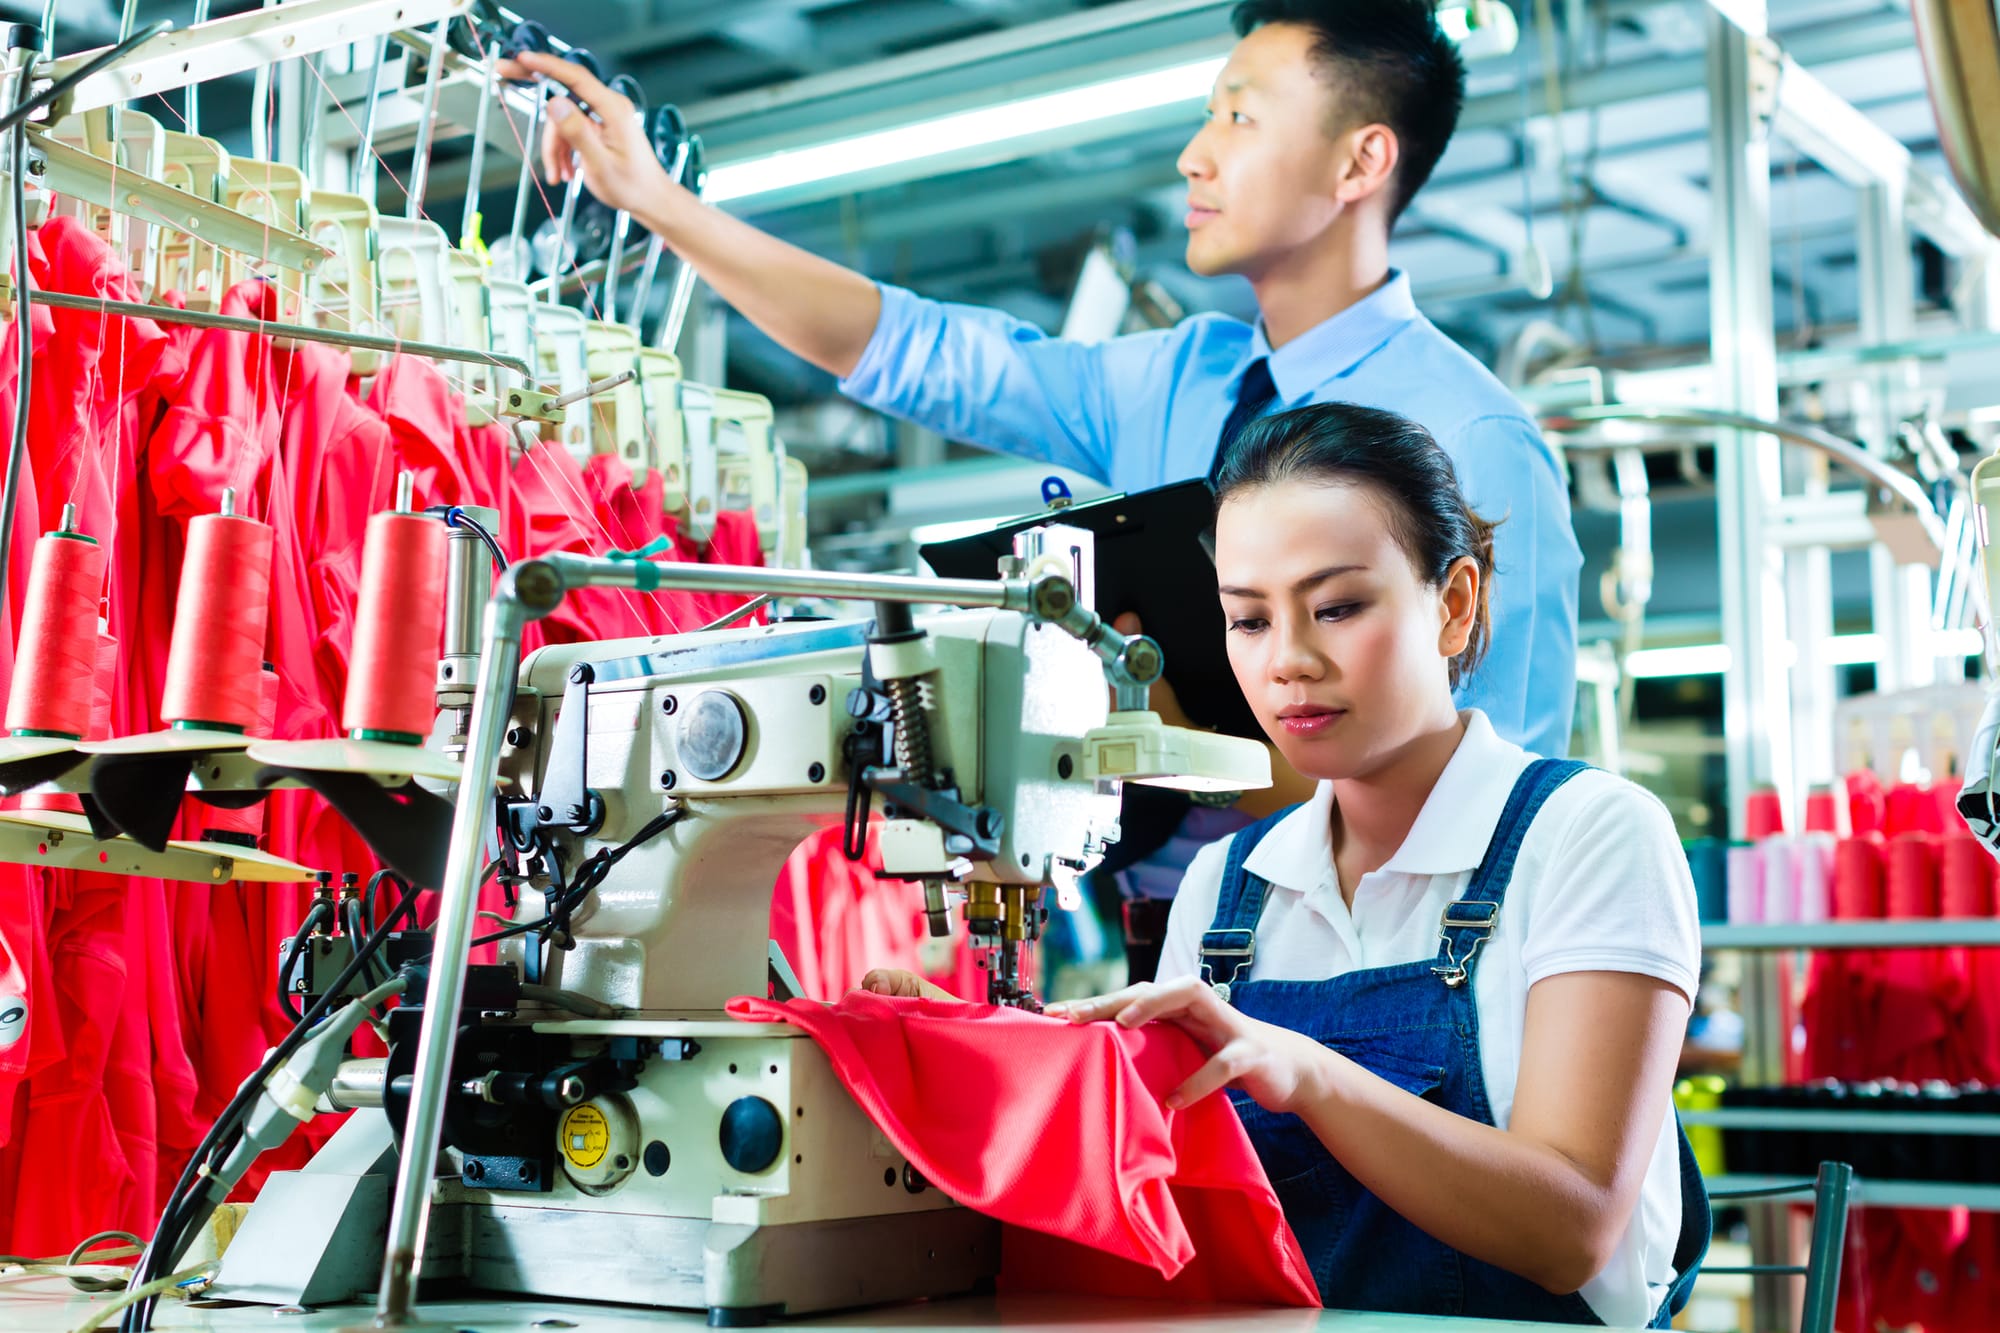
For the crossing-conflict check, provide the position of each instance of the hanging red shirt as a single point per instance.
(1060, 1129)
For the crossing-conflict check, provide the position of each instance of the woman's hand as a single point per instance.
(1281, 1069)
(610, 145)
(895, 981)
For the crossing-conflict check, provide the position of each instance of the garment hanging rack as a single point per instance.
(241, 43)
(303, 332)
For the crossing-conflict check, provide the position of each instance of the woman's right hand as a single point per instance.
(895, 981)
(610, 146)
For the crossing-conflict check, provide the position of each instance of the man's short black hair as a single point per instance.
(1392, 65)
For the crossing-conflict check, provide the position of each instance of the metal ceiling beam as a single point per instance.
(1840, 137)
(693, 22)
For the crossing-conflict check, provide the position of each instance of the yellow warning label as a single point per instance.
(586, 1137)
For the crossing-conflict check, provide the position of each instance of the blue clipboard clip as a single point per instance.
(1056, 494)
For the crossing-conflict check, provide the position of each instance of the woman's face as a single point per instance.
(1342, 650)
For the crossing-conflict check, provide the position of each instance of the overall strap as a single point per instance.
(1471, 918)
(1229, 945)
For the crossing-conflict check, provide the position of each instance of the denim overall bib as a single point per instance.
(1415, 1025)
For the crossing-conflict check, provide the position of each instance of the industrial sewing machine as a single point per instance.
(608, 1133)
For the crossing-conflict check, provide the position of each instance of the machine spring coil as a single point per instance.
(909, 703)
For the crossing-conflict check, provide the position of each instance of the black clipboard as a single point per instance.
(1152, 558)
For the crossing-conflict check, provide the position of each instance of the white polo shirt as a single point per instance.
(1600, 885)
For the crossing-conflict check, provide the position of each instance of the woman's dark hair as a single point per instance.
(1338, 444)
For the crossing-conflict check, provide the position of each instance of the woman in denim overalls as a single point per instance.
(1354, 582)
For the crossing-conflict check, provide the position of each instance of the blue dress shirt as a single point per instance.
(1145, 410)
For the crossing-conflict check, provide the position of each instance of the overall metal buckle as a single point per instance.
(1476, 918)
(1237, 947)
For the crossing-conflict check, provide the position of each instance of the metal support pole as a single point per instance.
(420, 165)
(1743, 345)
(364, 152)
(1900, 595)
(533, 590)
(489, 93)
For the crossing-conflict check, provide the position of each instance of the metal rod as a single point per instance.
(192, 96)
(406, 491)
(311, 85)
(489, 93)
(595, 387)
(128, 19)
(582, 275)
(650, 575)
(457, 912)
(1843, 451)
(614, 266)
(529, 147)
(1829, 1242)
(1849, 1122)
(656, 247)
(420, 165)
(364, 152)
(570, 196)
(743, 612)
(304, 332)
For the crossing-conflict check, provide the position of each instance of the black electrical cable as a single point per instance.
(455, 516)
(588, 876)
(184, 1202)
(291, 956)
(25, 336)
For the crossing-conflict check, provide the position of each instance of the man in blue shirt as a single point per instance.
(1326, 120)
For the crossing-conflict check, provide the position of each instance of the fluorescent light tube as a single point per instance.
(965, 129)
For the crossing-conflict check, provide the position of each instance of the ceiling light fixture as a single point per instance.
(955, 134)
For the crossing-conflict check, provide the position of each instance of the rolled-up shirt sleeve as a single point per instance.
(1527, 684)
(985, 378)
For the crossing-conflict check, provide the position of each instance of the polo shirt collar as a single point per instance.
(1335, 346)
(1452, 832)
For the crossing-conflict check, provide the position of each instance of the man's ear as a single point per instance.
(1369, 165)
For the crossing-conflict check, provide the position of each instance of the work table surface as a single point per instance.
(48, 1305)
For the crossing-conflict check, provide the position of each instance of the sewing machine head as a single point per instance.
(970, 722)
(985, 739)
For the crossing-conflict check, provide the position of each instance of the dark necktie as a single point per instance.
(1253, 395)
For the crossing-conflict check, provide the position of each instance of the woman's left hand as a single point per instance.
(1278, 1067)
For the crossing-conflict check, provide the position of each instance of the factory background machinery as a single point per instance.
(1736, 255)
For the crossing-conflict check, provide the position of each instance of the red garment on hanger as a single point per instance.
(1060, 1130)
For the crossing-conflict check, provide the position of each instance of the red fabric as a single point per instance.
(836, 919)
(147, 1003)
(1059, 1130)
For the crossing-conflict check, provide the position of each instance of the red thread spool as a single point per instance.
(392, 684)
(214, 662)
(1865, 806)
(267, 702)
(1763, 815)
(102, 723)
(54, 671)
(1912, 883)
(1857, 879)
(1823, 812)
(1966, 879)
(1911, 809)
